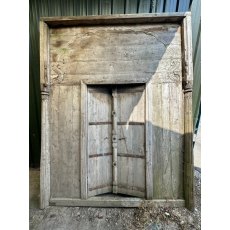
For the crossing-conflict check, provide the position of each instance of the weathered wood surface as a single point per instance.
(44, 54)
(115, 19)
(114, 138)
(124, 146)
(45, 154)
(65, 141)
(117, 202)
(154, 120)
(45, 131)
(167, 139)
(99, 141)
(188, 122)
(149, 147)
(188, 153)
(131, 141)
(84, 142)
(116, 54)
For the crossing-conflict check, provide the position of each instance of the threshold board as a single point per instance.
(109, 201)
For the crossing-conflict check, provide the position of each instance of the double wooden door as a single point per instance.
(116, 140)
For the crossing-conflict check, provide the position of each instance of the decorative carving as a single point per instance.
(187, 86)
(57, 72)
(186, 67)
(174, 72)
(45, 91)
(45, 72)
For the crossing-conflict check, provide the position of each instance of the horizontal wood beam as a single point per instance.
(130, 155)
(115, 202)
(101, 123)
(114, 19)
(100, 155)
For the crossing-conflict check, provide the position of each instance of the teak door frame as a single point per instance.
(84, 141)
(184, 19)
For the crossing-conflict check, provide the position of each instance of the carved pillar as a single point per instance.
(188, 147)
(45, 153)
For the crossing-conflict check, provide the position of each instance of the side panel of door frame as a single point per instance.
(83, 142)
(148, 141)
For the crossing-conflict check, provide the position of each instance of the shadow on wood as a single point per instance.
(153, 107)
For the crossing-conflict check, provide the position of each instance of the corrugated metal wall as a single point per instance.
(45, 8)
(196, 43)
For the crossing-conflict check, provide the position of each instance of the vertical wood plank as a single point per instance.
(167, 138)
(55, 143)
(166, 164)
(176, 139)
(188, 152)
(114, 139)
(99, 140)
(149, 142)
(131, 141)
(156, 121)
(83, 145)
(188, 122)
(65, 144)
(45, 151)
(76, 139)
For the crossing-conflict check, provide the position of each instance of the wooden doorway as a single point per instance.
(116, 140)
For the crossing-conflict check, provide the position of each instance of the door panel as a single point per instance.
(131, 104)
(99, 141)
(116, 140)
(131, 176)
(131, 141)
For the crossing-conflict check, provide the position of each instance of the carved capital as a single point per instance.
(45, 89)
(187, 86)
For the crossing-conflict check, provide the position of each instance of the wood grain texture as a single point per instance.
(131, 141)
(65, 141)
(188, 149)
(117, 202)
(45, 141)
(114, 137)
(167, 140)
(99, 140)
(188, 122)
(114, 19)
(84, 142)
(153, 122)
(44, 54)
(176, 101)
(45, 155)
(115, 54)
(149, 141)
